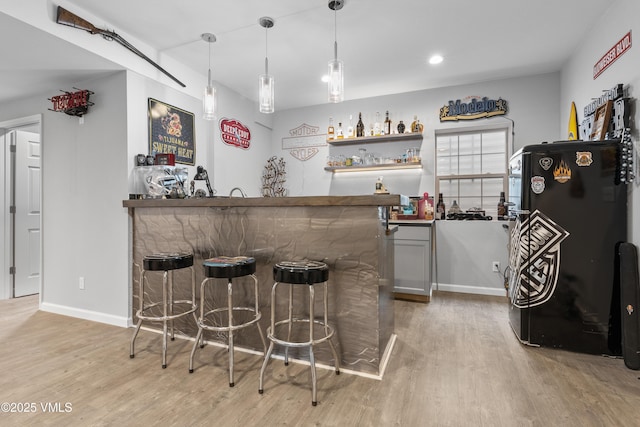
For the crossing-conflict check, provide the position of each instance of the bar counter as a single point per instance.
(349, 233)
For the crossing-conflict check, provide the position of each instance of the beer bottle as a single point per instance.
(331, 132)
(502, 208)
(440, 211)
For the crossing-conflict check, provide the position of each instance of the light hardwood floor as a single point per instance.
(456, 363)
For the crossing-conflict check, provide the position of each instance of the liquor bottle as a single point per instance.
(331, 132)
(350, 128)
(401, 127)
(387, 124)
(416, 126)
(440, 211)
(502, 208)
(340, 133)
(376, 126)
(360, 126)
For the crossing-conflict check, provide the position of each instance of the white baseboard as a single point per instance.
(466, 289)
(85, 314)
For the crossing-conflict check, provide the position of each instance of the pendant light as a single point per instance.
(266, 96)
(336, 67)
(209, 99)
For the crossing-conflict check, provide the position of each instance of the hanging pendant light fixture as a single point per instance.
(336, 67)
(209, 99)
(266, 92)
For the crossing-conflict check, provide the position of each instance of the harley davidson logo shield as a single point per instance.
(534, 260)
(562, 173)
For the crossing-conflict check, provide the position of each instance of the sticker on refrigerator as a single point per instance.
(545, 163)
(584, 158)
(537, 184)
(562, 173)
(534, 260)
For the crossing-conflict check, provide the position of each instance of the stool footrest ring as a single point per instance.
(152, 318)
(210, 327)
(272, 337)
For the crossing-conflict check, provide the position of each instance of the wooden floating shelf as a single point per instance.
(372, 139)
(390, 166)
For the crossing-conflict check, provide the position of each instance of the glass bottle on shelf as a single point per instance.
(502, 208)
(340, 133)
(350, 128)
(376, 126)
(331, 132)
(360, 126)
(401, 127)
(387, 124)
(440, 209)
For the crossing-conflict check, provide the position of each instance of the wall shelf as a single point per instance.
(375, 139)
(390, 166)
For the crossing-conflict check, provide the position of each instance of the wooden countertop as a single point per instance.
(365, 200)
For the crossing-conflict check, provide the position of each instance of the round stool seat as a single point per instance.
(225, 267)
(167, 261)
(301, 272)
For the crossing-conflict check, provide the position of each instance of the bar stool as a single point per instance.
(166, 262)
(307, 273)
(224, 267)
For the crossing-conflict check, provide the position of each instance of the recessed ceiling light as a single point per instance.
(435, 59)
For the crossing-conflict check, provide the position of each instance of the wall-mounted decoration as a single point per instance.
(235, 133)
(303, 141)
(305, 153)
(171, 131)
(473, 108)
(619, 117)
(612, 55)
(72, 103)
(601, 121)
(273, 178)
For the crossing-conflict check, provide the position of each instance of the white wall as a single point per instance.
(84, 174)
(534, 107)
(578, 84)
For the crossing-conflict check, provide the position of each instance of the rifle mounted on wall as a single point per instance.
(72, 20)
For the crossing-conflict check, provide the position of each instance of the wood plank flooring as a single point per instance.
(456, 363)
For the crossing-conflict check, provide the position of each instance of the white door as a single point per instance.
(27, 217)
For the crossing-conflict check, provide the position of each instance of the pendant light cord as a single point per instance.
(335, 33)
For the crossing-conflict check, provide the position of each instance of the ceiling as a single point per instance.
(385, 45)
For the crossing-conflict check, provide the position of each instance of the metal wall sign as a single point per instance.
(612, 55)
(303, 142)
(473, 108)
(233, 132)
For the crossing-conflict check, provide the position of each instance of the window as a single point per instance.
(471, 168)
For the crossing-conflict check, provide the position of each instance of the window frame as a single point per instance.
(507, 128)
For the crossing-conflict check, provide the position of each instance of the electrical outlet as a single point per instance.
(495, 266)
(81, 283)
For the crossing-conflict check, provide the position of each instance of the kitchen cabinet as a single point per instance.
(413, 254)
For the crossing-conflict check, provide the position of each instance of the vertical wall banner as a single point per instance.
(171, 131)
(233, 132)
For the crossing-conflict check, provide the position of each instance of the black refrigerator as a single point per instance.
(568, 213)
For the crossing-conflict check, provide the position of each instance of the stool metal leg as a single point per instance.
(141, 305)
(200, 336)
(230, 319)
(270, 331)
(164, 322)
(286, 349)
(257, 308)
(170, 276)
(326, 329)
(312, 362)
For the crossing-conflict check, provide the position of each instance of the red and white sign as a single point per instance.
(234, 133)
(623, 45)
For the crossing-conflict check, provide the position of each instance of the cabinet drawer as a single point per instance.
(412, 233)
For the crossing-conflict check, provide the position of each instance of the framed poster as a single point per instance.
(601, 121)
(171, 131)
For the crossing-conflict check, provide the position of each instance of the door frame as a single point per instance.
(33, 124)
